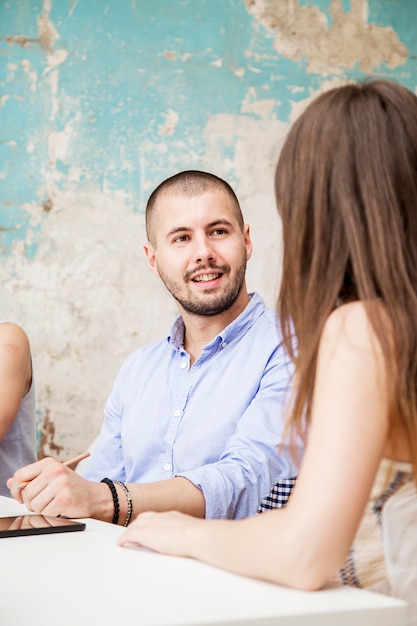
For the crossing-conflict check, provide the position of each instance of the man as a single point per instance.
(17, 403)
(194, 422)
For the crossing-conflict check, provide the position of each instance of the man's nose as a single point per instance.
(204, 251)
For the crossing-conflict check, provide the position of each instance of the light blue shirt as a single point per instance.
(218, 423)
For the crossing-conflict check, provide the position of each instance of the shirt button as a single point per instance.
(177, 413)
(167, 467)
(183, 364)
(224, 344)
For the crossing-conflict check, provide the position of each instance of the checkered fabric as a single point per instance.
(278, 496)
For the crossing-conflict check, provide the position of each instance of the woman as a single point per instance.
(17, 403)
(346, 189)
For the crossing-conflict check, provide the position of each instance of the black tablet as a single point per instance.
(37, 525)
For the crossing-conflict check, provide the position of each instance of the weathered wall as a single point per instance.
(100, 101)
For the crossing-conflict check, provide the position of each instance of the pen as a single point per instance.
(73, 461)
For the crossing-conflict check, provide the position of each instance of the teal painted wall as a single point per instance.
(100, 101)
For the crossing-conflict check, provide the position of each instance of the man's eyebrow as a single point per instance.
(183, 229)
(178, 229)
(219, 223)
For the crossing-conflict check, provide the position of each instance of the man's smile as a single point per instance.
(205, 277)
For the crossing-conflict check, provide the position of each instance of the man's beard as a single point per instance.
(206, 305)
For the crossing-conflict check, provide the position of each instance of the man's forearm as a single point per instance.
(177, 494)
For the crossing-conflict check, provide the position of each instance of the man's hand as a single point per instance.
(54, 489)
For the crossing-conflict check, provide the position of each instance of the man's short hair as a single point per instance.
(189, 183)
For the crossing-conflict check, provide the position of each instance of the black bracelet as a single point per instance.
(129, 502)
(110, 483)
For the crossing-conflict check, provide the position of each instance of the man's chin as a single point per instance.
(208, 306)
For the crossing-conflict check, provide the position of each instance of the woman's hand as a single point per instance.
(169, 532)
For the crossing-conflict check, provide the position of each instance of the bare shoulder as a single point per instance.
(351, 357)
(13, 338)
(350, 324)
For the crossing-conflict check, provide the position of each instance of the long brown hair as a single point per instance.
(346, 190)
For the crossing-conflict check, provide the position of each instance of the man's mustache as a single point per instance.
(224, 269)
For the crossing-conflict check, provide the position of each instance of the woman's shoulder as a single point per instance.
(15, 358)
(13, 334)
(350, 325)
(356, 316)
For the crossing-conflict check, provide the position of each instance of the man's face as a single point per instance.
(199, 250)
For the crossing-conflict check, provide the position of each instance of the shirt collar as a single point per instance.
(242, 323)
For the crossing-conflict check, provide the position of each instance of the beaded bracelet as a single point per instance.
(129, 502)
(116, 504)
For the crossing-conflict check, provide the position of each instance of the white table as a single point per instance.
(75, 579)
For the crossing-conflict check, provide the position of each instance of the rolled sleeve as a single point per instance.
(253, 459)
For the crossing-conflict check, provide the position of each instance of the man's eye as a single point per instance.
(219, 231)
(181, 238)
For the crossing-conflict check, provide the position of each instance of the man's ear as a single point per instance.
(248, 241)
(150, 257)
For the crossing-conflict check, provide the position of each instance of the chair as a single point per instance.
(277, 498)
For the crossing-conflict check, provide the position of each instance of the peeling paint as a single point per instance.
(55, 58)
(253, 104)
(239, 72)
(171, 121)
(303, 31)
(169, 54)
(58, 142)
(31, 74)
(47, 444)
(47, 205)
(97, 106)
(47, 32)
(21, 40)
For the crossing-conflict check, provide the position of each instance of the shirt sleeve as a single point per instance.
(253, 459)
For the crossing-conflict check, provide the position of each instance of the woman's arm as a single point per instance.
(15, 372)
(304, 544)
